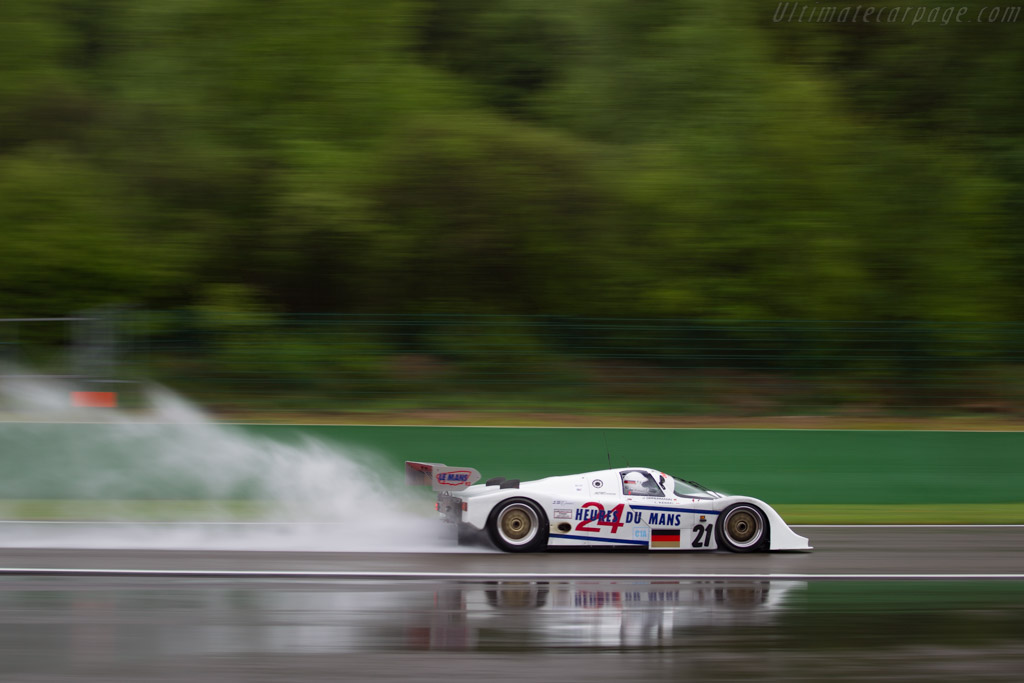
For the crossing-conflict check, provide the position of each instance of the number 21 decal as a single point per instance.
(703, 539)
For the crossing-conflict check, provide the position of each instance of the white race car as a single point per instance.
(625, 507)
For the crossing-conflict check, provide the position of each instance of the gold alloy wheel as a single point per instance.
(518, 524)
(743, 526)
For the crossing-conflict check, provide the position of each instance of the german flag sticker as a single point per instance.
(665, 538)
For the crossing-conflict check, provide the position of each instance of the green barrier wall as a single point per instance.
(784, 466)
(781, 466)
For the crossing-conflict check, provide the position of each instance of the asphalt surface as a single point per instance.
(911, 551)
(165, 628)
(57, 630)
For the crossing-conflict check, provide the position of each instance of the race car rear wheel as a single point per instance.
(518, 525)
(742, 528)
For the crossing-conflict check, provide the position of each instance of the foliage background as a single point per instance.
(604, 159)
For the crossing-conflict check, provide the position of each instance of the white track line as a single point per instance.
(487, 577)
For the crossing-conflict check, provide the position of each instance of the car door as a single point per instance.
(601, 516)
(654, 511)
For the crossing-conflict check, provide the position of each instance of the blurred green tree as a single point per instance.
(609, 158)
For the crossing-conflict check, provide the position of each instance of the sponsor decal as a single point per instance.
(592, 516)
(563, 514)
(453, 478)
(641, 534)
(561, 502)
(703, 518)
(595, 511)
(663, 519)
(597, 483)
(664, 538)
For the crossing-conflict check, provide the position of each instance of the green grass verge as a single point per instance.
(241, 510)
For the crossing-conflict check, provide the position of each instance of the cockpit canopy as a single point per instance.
(641, 482)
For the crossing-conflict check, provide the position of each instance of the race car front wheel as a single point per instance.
(742, 528)
(518, 525)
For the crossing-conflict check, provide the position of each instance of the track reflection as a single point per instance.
(288, 618)
(594, 615)
(565, 615)
(57, 629)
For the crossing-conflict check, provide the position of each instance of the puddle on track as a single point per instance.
(56, 629)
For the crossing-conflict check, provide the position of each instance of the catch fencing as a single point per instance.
(251, 361)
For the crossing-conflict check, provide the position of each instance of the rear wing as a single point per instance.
(439, 477)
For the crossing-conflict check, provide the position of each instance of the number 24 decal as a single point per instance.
(601, 517)
(703, 539)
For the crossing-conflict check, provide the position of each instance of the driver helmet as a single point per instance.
(635, 483)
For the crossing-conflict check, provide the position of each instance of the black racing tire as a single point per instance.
(742, 528)
(518, 525)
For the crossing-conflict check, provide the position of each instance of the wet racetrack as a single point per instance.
(556, 616)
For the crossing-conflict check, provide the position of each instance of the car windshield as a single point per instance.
(688, 489)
